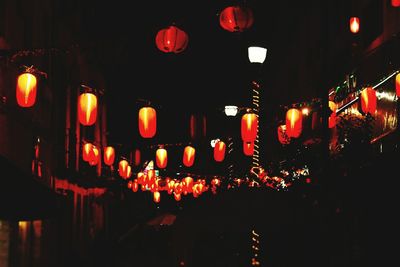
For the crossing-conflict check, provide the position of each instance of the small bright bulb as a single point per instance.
(231, 110)
(305, 111)
(257, 54)
(214, 141)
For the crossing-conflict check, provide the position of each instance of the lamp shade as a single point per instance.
(231, 110)
(147, 122)
(257, 54)
(26, 90)
(87, 109)
(354, 24)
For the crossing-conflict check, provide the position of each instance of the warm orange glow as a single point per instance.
(147, 122)
(293, 122)
(187, 183)
(332, 117)
(135, 186)
(87, 152)
(395, 3)
(219, 151)
(188, 156)
(161, 158)
(177, 197)
(156, 196)
(248, 148)
(26, 90)
(109, 155)
(249, 127)
(123, 169)
(283, 138)
(87, 109)
(398, 82)
(94, 159)
(236, 18)
(354, 24)
(368, 101)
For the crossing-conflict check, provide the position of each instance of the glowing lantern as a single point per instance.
(135, 186)
(147, 122)
(87, 152)
(395, 3)
(156, 196)
(231, 110)
(248, 148)
(368, 100)
(177, 196)
(236, 18)
(354, 24)
(172, 39)
(332, 117)
(293, 123)
(87, 109)
(188, 156)
(198, 126)
(249, 127)
(109, 155)
(219, 151)
(94, 158)
(283, 138)
(187, 183)
(257, 54)
(124, 169)
(161, 158)
(26, 90)
(398, 82)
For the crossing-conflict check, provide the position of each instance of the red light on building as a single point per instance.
(368, 101)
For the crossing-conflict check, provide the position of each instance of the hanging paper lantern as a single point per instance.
(293, 122)
(135, 185)
(95, 158)
(26, 90)
(88, 152)
(368, 101)
(156, 196)
(172, 39)
(109, 155)
(198, 126)
(332, 117)
(188, 156)
(249, 127)
(248, 148)
(236, 18)
(147, 122)
(219, 151)
(161, 158)
(187, 184)
(283, 138)
(395, 3)
(354, 24)
(87, 109)
(124, 169)
(398, 83)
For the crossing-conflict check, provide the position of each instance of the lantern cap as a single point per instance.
(231, 110)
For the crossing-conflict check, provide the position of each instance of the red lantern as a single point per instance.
(124, 169)
(187, 183)
(293, 122)
(161, 158)
(219, 151)
(395, 3)
(248, 148)
(26, 90)
(87, 152)
(95, 156)
(236, 18)
(368, 100)
(283, 138)
(198, 126)
(135, 186)
(332, 117)
(147, 122)
(354, 24)
(249, 127)
(109, 155)
(172, 39)
(87, 109)
(188, 156)
(177, 196)
(156, 196)
(398, 83)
